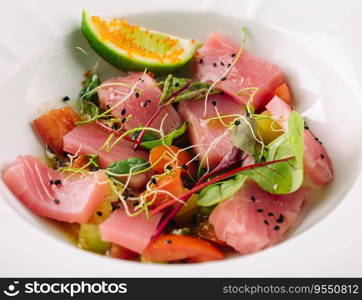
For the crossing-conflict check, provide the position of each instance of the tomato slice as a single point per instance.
(52, 126)
(205, 230)
(283, 92)
(167, 183)
(171, 247)
(121, 252)
(171, 156)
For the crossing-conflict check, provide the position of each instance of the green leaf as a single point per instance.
(220, 191)
(167, 139)
(242, 135)
(128, 166)
(283, 177)
(147, 136)
(88, 109)
(171, 85)
(89, 91)
(88, 97)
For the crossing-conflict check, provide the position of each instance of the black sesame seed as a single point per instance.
(233, 55)
(99, 213)
(66, 98)
(94, 168)
(123, 120)
(144, 104)
(51, 182)
(184, 167)
(306, 127)
(168, 242)
(135, 203)
(108, 106)
(222, 93)
(266, 149)
(322, 156)
(280, 219)
(270, 214)
(259, 210)
(253, 198)
(149, 100)
(266, 222)
(56, 201)
(214, 64)
(222, 63)
(153, 180)
(262, 158)
(316, 139)
(236, 122)
(213, 103)
(169, 168)
(177, 84)
(223, 79)
(201, 60)
(123, 111)
(320, 142)
(57, 182)
(247, 114)
(229, 65)
(136, 95)
(130, 195)
(115, 126)
(276, 228)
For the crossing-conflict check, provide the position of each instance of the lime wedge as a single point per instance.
(133, 48)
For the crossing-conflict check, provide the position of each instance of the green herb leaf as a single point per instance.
(283, 177)
(171, 85)
(167, 139)
(128, 166)
(220, 191)
(242, 135)
(88, 97)
(147, 136)
(177, 87)
(88, 109)
(88, 91)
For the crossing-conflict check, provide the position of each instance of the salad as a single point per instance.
(193, 153)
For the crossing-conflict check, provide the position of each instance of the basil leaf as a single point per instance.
(242, 135)
(220, 191)
(283, 177)
(167, 139)
(128, 166)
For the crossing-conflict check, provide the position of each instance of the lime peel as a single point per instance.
(133, 48)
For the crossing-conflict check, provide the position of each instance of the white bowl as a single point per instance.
(317, 49)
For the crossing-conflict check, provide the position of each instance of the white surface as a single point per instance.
(317, 43)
